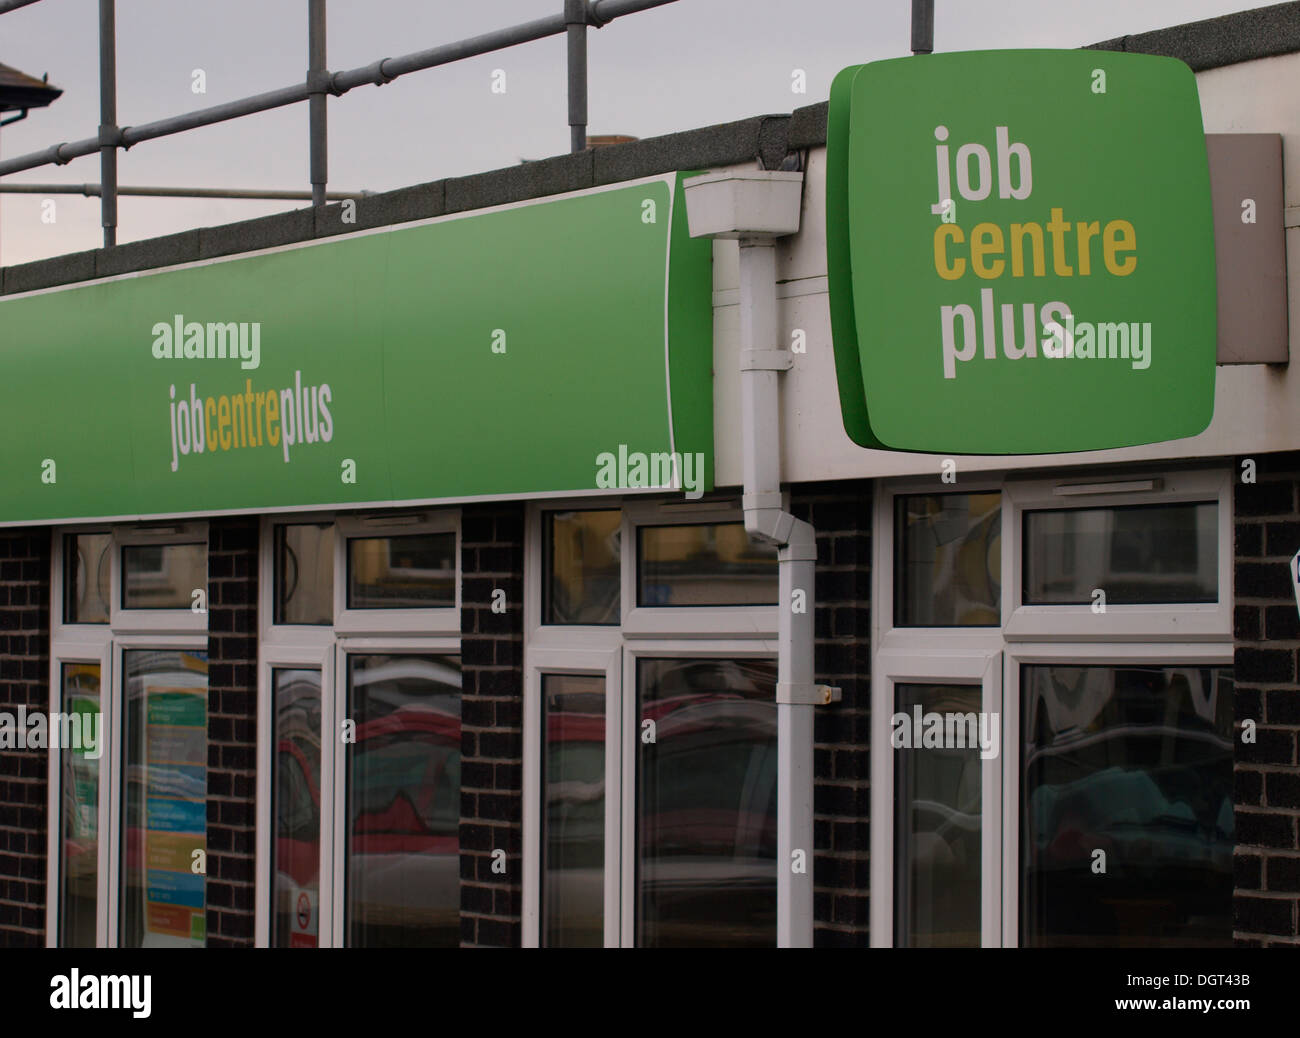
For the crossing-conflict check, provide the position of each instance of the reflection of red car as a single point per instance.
(403, 864)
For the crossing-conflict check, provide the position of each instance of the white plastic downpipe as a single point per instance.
(755, 207)
(797, 556)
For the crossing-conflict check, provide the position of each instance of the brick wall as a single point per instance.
(24, 681)
(232, 730)
(1267, 666)
(841, 514)
(491, 774)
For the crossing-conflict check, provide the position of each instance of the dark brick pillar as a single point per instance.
(232, 730)
(1266, 668)
(841, 514)
(24, 785)
(491, 775)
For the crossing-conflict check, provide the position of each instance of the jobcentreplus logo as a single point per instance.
(33, 730)
(93, 991)
(281, 418)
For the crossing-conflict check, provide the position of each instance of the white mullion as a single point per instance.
(325, 899)
(991, 809)
(338, 863)
(597, 664)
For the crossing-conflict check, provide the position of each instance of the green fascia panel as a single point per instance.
(488, 354)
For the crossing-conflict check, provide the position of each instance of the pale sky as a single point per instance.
(688, 64)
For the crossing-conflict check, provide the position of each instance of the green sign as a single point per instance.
(559, 346)
(1020, 252)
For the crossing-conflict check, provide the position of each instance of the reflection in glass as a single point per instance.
(295, 794)
(304, 573)
(86, 563)
(1137, 554)
(573, 839)
(706, 803)
(1134, 761)
(403, 802)
(581, 565)
(948, 560)
(713, 564)
(937, 826)
(163, 576)
(414, 571)
(164, 798)
(79, 788)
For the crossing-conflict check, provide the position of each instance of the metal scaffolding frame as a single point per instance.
(320, 83)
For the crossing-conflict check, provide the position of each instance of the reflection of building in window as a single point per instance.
(1135, 762)
(414, 571)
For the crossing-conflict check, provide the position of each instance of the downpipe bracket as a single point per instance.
(808, 695)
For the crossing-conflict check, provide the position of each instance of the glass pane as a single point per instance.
(79, 789)
(582, 566)
(164, 798)
(87, 559)
(715, 564)
(573, 843)
(295, 793)
(1135, 762)
(948, 560)
(163, 576)
(417, 571)
(706, 803)
(403, 802)
(304, 573)
(937, 820)
(1142, 553)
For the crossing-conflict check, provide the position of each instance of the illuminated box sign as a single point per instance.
(1020, 252)
(517, 351)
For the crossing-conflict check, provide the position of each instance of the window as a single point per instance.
(128, 783)
(359, 805)
(1096, 638)
(79, 807)
(573, 810)
(704, 565)
(581, 559)
(649, 728)
(304, 573)
(1134, 761)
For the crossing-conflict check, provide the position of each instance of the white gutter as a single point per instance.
(755, 207)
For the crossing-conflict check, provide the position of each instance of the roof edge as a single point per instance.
(767, 139)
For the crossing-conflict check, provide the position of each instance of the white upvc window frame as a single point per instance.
(272, 635)
(336, 840)
(677, 632)
(633, 651)
(1202, 621)
(759, 621)
(1067, 654)
(74, 651)
(443, 620)
(123, 644)
(605, 664)
(292, 657)
(434, 631)
(981, 670)
(161, 621)
(104, 643)
(1194, 634)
